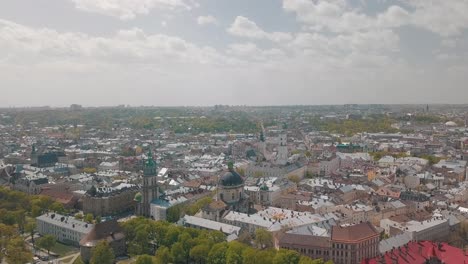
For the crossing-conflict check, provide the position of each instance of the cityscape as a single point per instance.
(234, 132)
(234, 184)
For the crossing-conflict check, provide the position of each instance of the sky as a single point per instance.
(235, 52)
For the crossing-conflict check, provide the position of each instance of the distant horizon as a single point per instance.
(233, 105)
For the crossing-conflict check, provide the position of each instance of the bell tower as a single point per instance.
(150, 185)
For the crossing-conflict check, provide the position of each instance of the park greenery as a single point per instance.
(102, 254)
(155, 242)
(179, 120)
(175, 212)
(351, 127)
(17, 213)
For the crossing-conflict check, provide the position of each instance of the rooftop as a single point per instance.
(65, 222)
(420, 253)
(353, 233)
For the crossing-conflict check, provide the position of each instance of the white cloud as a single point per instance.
(244, 27)
(129, 9)
(446, 18)
(249, 51)
(25, 45)
(339, 17)
(205, 20)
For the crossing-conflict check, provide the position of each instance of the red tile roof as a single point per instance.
(420, 252)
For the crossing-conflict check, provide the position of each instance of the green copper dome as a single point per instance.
(150, 166)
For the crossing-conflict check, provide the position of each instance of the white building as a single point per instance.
(201, 223)
(65, 229)
(436, 228)
(272, 219)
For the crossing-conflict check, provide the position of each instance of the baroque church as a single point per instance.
(230, 196)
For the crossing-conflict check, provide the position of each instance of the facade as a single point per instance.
(436, 229)
(201, 223)
(30, 184)
(110, 200)
(329, 166)
(345, 245)
(66, 229)
(265, 170)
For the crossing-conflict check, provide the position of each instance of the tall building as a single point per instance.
(149, 190)
(282, 156)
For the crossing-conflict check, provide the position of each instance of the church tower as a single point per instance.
(150, 186)
(282, 156)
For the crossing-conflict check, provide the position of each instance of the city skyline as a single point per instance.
(206, 52)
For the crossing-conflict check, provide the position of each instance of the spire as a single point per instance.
(150, 165)
(262, 136)
(230, 166)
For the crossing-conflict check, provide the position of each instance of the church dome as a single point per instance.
(231, 178)
(451, 124)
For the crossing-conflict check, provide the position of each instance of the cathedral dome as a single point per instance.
(231, 178)
(451, 124)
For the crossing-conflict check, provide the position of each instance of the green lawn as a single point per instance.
(66, 260)
(63, 250)
(78, 260)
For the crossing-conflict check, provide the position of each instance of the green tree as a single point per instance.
(173, 213)
(307, 260)
(98, 219)
(57, 207)
(286, 257)
(263, 238)
(249, 256)
(46, 242)
(179, 255)
(217, 254)
(255, 256)
(199, 253)
(79, 216)
(102, 254)
(16, 252)
(194, 208)
(89, 218)
(140, 244)
(172, 235)
(163, 255)
(144, 259)
(30, 228)
(234, 252)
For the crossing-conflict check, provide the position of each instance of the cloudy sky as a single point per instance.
(253, 52)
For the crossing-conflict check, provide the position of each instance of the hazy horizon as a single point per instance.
(209, 52)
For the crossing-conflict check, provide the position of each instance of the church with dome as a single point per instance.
(230, 196)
